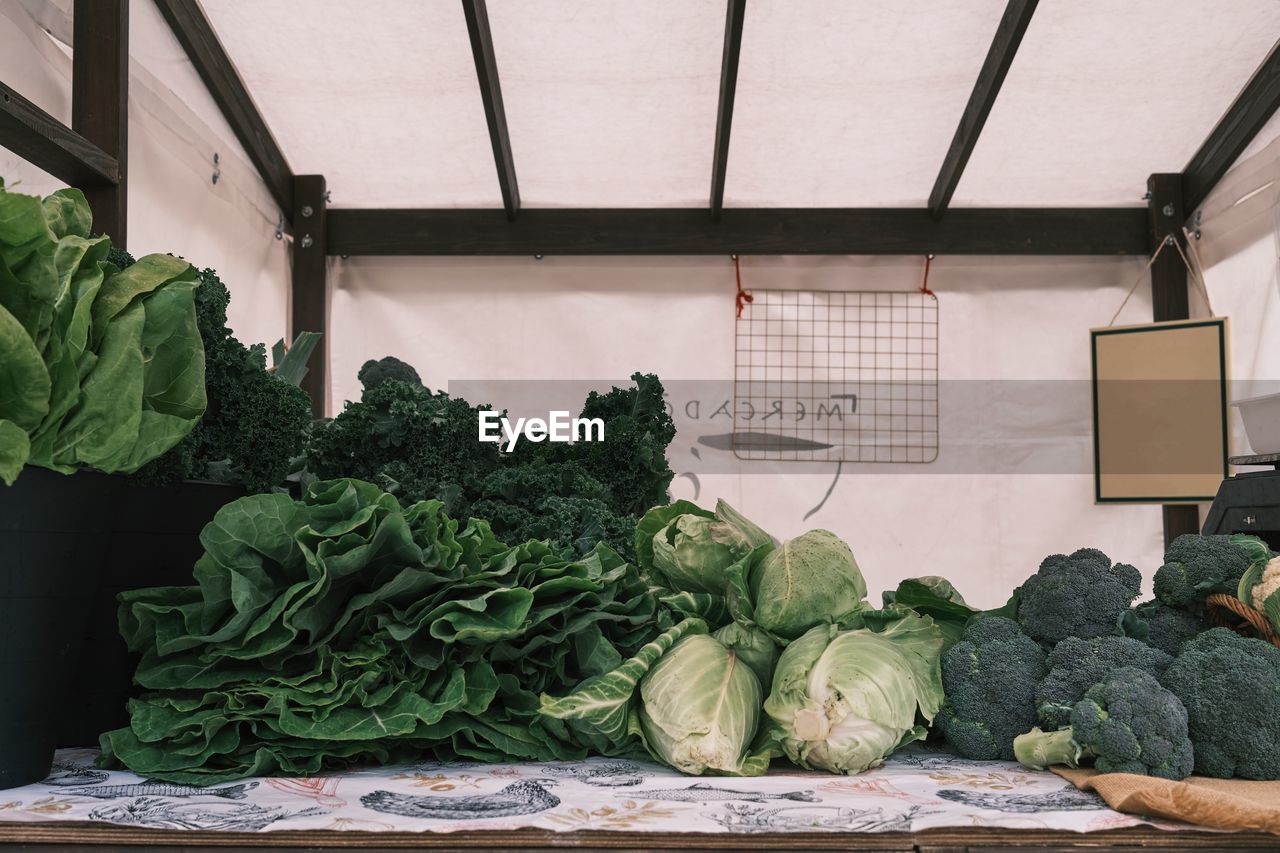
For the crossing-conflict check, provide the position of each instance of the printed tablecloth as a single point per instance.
(918, 788)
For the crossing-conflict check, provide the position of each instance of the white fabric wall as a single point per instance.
(174, 206)
(582, 318)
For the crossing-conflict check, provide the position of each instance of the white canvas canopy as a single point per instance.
(613, 104)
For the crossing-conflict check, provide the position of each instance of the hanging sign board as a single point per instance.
(1160, 411)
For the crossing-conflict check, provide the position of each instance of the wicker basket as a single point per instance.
(1230, 612)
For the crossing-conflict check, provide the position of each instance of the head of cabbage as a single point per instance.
(844, 699)
(686, 548)
(700, 707)
(806, 581)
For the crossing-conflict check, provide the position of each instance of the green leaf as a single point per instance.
(653, 521)
(24, 380)
(291, 365)
(1259, 554)
(14, 449)
(604, 706)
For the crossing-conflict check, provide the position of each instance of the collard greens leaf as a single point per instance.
(346, 626)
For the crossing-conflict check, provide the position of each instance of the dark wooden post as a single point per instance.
(100, 104)
(310, 311)
(1169, 301)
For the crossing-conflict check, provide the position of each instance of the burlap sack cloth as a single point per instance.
(1219, 803)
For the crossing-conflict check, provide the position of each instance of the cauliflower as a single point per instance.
(1268, 584)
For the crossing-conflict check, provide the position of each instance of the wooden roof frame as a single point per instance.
(84, 161)
(93, 153)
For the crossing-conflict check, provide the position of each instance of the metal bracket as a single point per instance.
(280, 227)
(217, 167)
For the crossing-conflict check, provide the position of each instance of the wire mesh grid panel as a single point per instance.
(848, 376)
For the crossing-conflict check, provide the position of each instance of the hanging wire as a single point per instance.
(1195, 276)
(924, 285)
(742, 297)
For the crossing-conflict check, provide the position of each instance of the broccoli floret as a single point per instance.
(1081, 595)
(1167, 628)
(1231, 687)
(1127, 722)
(374, 373)
(1075, 665)
(254, 426)
(1196, 566)
(989, 679)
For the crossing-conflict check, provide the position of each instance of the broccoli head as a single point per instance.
(1075, 665)
(374, 372)
(1082, 595)
(989, 679)
(1231, 687)
(1197, 566)
(1167, 628)
(1127, 722)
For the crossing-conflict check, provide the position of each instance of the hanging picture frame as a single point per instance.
(1160, 411)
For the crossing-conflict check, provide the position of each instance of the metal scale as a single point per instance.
(1249, 502)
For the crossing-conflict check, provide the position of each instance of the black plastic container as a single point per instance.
(155, 541)
(54, 531)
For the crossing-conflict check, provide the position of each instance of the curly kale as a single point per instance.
(1075, 665)
(255, 425)
(1197, 566)
(419, 445)
(1127, 722)
(414, 443)
(1082, 595)
(1167, 628)
(989, 679)
(632, 460)
(120, 258)
(374, 372)
(1231, 687)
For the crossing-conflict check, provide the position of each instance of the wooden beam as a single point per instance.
(1252, 108)
(756, 231)
(734, 17)
(310, 295)
(1169, 301)
(48, 144)
(195, 34)
(100, 105)
(1013, 25)
(477, 15)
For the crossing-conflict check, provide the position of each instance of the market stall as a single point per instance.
(431, 570)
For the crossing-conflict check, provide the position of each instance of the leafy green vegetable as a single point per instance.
(256, 422)
(603, 709)
(754, 647)
(423, 445)
(700, 706)
(804, 582)
(99, 367)
(347, 627)
(843, 700)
